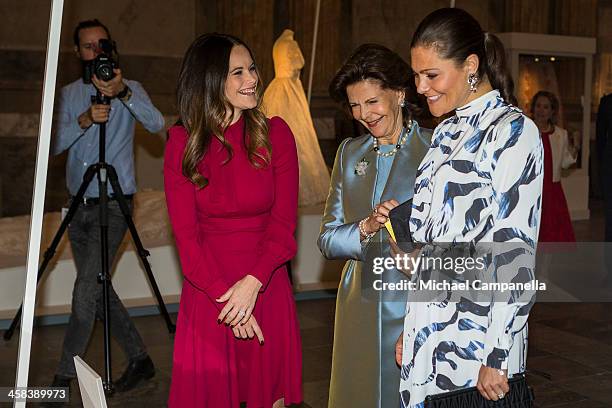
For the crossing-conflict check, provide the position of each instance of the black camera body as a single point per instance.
(102, 66)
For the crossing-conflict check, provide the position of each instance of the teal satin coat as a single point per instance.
(368, 323)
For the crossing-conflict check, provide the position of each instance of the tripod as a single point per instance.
(105, 174)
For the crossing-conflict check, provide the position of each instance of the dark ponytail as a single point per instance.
(497, 69)
(455, 35)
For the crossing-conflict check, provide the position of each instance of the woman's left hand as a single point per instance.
(240, 300)
(248, 330)
(394, 249)
(492, 383)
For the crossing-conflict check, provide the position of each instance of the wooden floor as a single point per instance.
(570, 352)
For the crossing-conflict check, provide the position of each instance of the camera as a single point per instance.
(102, 66)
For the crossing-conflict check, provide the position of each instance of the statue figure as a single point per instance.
(285, 97)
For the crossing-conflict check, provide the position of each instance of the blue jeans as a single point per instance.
(87, 302)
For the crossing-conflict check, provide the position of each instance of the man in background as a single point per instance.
(77, 130)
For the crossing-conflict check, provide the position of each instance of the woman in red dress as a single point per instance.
(555, 223)
(231, 183)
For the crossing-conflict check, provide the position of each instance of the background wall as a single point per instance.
(152, 36)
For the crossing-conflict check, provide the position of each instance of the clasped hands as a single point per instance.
(238, 311)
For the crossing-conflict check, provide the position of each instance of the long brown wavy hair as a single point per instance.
(204, 108)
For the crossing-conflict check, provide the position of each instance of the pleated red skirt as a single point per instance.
(213, 369)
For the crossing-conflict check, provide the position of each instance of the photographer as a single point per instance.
(77, 130)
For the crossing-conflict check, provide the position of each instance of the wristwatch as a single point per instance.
(125, 94)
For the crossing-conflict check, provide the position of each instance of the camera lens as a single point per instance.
(105, 72)
(104, 68)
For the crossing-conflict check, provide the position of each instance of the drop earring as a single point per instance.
(472, 81)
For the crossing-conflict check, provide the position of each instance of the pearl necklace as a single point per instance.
(401, 141)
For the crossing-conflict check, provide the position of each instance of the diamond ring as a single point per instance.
(500, 395)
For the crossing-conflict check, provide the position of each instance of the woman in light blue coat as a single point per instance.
(372, 174)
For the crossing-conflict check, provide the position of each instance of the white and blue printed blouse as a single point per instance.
(480, 181)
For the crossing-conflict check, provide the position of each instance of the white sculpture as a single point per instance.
(285, 97)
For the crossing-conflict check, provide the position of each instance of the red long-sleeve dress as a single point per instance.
(241, 223)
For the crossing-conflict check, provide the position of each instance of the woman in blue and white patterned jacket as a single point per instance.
(480, 182)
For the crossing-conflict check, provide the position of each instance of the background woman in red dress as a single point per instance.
(231, 183)
(555, 223)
